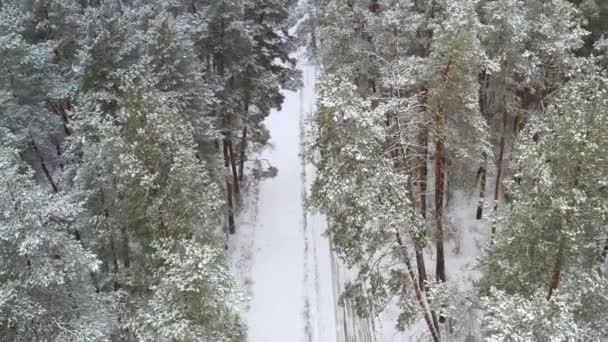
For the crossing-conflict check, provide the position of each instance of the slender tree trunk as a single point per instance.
(418, 244)
(243, 154)
(518, 124)
(555, 273)
(231, 225)
(59, 154)
(60, 108)
(126, 250)
(422, 277)
(420, 264)
(44, 167)
(447, 183)
(482, 174)
(440, 163)
(603, 256)
(243, 145)
(439, 194)
(501, 151)
(114, 262)
(421, 297)
(423, 139)
(235, 177)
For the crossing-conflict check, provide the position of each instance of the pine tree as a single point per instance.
(402, 52)
(46, 288)
(156, 192)
(531, 58)
(544, 246)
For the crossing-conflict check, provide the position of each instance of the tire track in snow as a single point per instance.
(307, 309)
(310, 72)
(320, 295)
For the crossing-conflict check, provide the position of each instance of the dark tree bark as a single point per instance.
(243, 154)
(440, 173)
(519, 122)
(440, 164)
(482, 175)
(114, 262)
(126, 257)
(482, 172)
(421, 297)
(440, 159)
(374, 6)
(555, 273)
(424, 142)
(421, 266)
(61, 108)
(59, 154)
(603, 256)
(235, 177)
(231, 224)
(44, 167)
(418, 244)
(499, 162)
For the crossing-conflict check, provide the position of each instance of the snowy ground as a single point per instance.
(279, 254)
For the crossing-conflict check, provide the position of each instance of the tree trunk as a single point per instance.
(60, 108)
(555, 273)
(243, 154)
(418, 244)
(125, 247)
(231, 225)
(439, 192)
(59, 155)
(424, 142)
(440, 161)
(420, 264)
(44, 167)
(114, 262)
(235, 177)
(482, 174)
(603, 256)
(519, 123)
(420, 294)
(501, 150)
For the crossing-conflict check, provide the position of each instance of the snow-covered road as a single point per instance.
(279, 254)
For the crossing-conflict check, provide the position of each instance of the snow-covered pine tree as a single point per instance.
(35, 86)
(268, 67)
(371, 217)
(46, 291)
(410, 61)
(151, 198)
(136, 107)
(546, 250)
(459, 130)
(532, 57)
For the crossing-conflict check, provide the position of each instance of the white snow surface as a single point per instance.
(279, 254)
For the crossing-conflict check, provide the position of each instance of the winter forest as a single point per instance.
(303, 171)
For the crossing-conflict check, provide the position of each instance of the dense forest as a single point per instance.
(130, 131)
(504, 100)
(124, 129)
